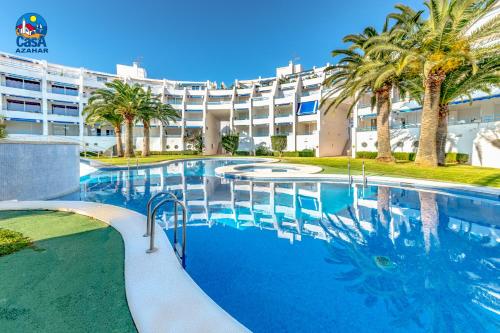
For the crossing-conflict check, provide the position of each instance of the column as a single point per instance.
(81, 121)
(45, 104)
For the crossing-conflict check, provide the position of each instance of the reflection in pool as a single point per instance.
(319, 256)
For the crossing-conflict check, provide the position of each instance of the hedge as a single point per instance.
(404, 156)
(242, 153)
(302, 153)
(170, 152)
(401, 156)
(457, 158)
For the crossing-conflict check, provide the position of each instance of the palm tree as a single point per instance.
(460, 83)
(360, 73)
(101, 109)
(448, 39)
(127, 102)
(151, 108)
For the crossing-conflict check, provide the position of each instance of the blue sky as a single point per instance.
(195, 39)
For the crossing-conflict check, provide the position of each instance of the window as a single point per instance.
(63, 90)
(24, 106)
(22, 83)
(65, 110)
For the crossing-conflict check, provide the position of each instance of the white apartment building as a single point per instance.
(44, 101)
(473, 127)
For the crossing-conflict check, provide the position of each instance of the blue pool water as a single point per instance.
(322, 257)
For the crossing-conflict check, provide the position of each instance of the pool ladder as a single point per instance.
(179, 249)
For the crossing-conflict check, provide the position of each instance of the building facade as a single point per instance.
(44, 101)
(41, 101)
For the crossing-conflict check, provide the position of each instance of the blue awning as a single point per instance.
(24, 120)
(194, 126)
(414, 106)
(194, 110)
(306, 108)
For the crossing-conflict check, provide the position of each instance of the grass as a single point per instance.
(452, 173)
(70, 280)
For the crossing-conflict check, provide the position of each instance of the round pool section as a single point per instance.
(319, 256)
(265, 170)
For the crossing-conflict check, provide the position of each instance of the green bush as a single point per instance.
(3, 132)
(307, 153)
(242, 153)
(230, 142)
(401, 156)
(262, 151)
(170, 152)
(366, 154)
(302, 153)
(12, 241)
(462, 158)
(457, 158)
(278, 143)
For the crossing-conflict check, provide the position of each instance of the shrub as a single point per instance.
(462, 158)
(457, 158)
(401, 156)
(171, 152)
(451, 158)
(287, 154)
(242, 153)
(307, 153)
(366, 154)
(262, 151)
(195, 140)
(12, 241)
(302, 153)
(230, 142)
(3, 132)
(278, 143)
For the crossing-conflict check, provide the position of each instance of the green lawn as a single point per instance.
(451, 173)
(70, 280)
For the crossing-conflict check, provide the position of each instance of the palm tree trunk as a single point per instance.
(427, 152)
(119, 142)
(442, 133)
(145, 140)
(383, 96)
(129, 137)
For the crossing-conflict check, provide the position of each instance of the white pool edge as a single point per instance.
(161, 296)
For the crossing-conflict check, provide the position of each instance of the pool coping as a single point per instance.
(106, 167)
(161, 296)
(299, 170)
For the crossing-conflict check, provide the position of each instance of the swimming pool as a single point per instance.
(315, 256)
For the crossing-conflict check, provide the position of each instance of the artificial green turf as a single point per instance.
(71, 280)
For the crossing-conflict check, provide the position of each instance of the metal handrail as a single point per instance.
(364, 175)
(148, 209)
(181, 255)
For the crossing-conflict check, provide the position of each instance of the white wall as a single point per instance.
(474, 139)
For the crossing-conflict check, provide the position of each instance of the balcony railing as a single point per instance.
(25, 108)
(64, 91)
(219, 102)
(65, 112)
